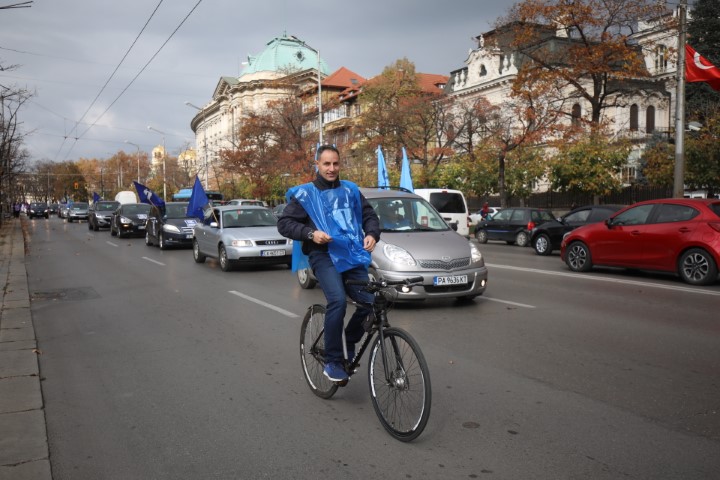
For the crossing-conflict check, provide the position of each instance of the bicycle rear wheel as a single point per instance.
(402, 398)
(312, 351)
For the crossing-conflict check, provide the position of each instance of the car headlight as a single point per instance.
(171, 228)
(125, 220)
(475, 253)
(398, 255)
(241, 243)
(289, 241)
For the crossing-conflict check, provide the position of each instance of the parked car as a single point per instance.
(129, 220)
(277, 211)
(77, 211)
(169, 226)
(240, 234)
(100, 214)
(547, 236)
(677, 235)
(476, 217)
(512, 225)
(245, 201)
(38, 209)
(417, 241)
(62, 210)
(451, 205)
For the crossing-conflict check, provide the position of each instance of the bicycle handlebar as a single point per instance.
(386, 283)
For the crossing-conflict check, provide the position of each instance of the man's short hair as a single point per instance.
(323, 148)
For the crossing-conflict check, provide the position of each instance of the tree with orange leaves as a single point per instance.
(583, 46)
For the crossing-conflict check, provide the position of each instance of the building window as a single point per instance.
(650, 119)
(628, 175)
(483, 70)
(634, 117)
(576, 114)
(661, 58)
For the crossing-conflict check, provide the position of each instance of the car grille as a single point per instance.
(448, 288)
(440, 265)
(271, 242)
(187, 230)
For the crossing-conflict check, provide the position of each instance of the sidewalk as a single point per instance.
(23, 436)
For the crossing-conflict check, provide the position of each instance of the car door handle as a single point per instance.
(684, 230)
(635, 232)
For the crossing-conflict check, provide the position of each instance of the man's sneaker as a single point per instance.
(335, 372)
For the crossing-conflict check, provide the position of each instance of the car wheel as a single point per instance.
(161, 242)
(697, 267)
(481, 236)
(225, 262)
(542, 245)
(120, 233)
(578, 257)
(148, 242)
(69, 220)
(96, 227)
(112, 231)
(197, 256)
(305, 279)
(522, 239)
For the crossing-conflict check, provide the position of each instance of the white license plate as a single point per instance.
(272, 253)
(452, 280)
(141, 227)
(188, 236)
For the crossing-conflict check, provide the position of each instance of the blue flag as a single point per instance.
(96, 197)
(198, 200)
(383, 180)
(405, 175)
(148, 196)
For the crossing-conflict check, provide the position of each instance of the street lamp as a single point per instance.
(164, 155)
(205, 152)
(137, 154)
(319, 81)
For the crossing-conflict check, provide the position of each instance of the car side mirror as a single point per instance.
(609, 223)
(213, 225)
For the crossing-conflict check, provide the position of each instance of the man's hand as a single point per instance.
(369, 243)
(321, 237)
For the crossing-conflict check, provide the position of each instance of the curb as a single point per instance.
(24, 453)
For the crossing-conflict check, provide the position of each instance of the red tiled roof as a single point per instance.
(343, 78)
(431, 82)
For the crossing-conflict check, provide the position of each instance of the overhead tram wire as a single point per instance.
(117, 67)
(141, 70)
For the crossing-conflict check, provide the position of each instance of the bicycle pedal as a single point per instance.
(342, 383)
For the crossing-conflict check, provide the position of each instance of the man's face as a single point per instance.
(329, 165)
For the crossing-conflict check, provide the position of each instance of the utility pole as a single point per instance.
(679, 173)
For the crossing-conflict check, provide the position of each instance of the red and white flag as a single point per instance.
(698, 69)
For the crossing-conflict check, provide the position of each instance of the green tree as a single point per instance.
(702, 153)
(590, 165)
(657, 165)
(704, 36)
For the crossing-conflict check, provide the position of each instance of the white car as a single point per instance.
(476, 217)
(240, 234)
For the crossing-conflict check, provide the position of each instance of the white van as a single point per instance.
(451, 204)
(126, 196)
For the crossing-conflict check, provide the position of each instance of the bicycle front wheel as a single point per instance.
(399, 384)
(312, 352)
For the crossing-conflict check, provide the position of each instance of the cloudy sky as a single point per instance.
(66, 51)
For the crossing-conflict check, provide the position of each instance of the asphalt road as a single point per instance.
(155, 367)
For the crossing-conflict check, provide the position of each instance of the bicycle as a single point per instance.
(398, 374)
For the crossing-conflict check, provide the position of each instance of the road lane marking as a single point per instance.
(112, 244)
(153, 261)
(524, 305)
(609, 280)
(264, 304)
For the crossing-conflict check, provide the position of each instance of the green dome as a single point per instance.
(286, 53)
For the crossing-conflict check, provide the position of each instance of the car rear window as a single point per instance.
(446, 202)
(675, 213)
(715, 207)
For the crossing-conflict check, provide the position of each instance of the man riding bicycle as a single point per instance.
(339, 229)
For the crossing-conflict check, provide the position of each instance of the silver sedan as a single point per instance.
(240, 234)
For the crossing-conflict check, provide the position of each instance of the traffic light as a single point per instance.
(76, 185)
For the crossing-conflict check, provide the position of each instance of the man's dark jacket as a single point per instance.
(295, 223)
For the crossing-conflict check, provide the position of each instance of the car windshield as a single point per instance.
(406, 214)
(80, 206)
(255, 217)
(176, 210)
(106, 206)
(136, 209)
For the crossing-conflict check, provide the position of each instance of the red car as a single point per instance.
(678, 235)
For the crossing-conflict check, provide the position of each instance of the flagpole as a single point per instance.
(679, 174)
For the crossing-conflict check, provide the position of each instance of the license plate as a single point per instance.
(272, 253)
(452, 280)
(188, 236)
(141, 227)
